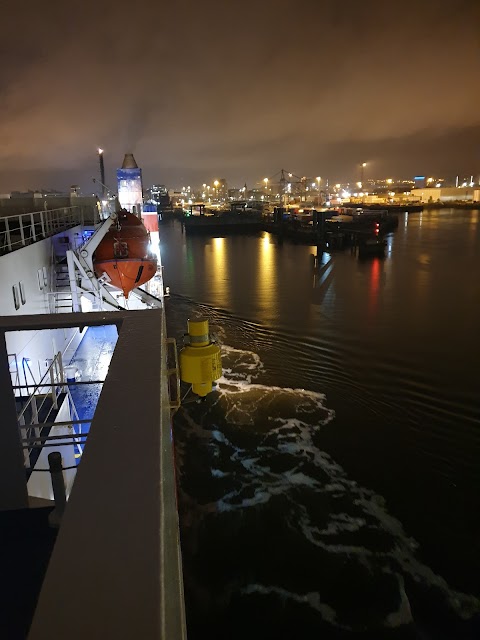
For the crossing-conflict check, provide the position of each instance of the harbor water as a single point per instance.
(330, 486)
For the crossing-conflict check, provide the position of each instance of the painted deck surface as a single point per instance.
(92, 359)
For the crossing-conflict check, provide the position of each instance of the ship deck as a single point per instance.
(115, 566)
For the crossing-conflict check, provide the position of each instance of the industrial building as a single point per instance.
(446, 194)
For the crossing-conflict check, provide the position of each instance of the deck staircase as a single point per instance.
(47, 413)
(62, 292)
(38, 404)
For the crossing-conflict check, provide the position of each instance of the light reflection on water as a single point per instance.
(217, 265)
(267, 276)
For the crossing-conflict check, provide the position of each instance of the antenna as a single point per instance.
(105, 190)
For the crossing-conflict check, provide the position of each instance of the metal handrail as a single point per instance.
(59, 374)
(57, 424)
(37, 225)
(24, 215)
(30, 442)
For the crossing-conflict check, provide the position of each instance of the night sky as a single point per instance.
(205, 90)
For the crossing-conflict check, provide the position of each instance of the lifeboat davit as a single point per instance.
(124, 254)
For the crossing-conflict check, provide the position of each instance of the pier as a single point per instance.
(326, 228)
(323, 228)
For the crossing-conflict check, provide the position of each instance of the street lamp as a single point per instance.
(364, 164)
(318, 189)
(216, 183)
(362, 167)
(266, 184)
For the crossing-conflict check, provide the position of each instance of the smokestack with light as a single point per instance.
(102, 172)
(130, 191)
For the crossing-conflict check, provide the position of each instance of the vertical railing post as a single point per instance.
(32, 223)
(7, 231)
(60, 373)
(13, 483)
(42, 224)
(73, 282)
(22, 233)
(58, 486)
(26, 451)
(34, 408)
(52, 386)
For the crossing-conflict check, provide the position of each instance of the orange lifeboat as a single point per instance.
(124, 254)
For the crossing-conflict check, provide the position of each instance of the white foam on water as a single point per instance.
(245, 365)
(217, 473)
(370, 515)
(292, 418)
(312, 599)
(400, 617)
(403, 615)
(341, 522)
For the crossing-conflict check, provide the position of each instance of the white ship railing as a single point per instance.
(22, 229)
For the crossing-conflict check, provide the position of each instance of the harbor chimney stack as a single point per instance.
(130, 190)
(102, 172)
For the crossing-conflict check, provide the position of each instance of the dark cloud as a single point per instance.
(210, 89)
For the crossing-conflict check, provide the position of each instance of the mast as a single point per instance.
(283, 187)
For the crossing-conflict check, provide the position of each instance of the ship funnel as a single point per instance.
(129, 162)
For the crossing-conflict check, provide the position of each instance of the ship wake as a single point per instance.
(272, 522)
